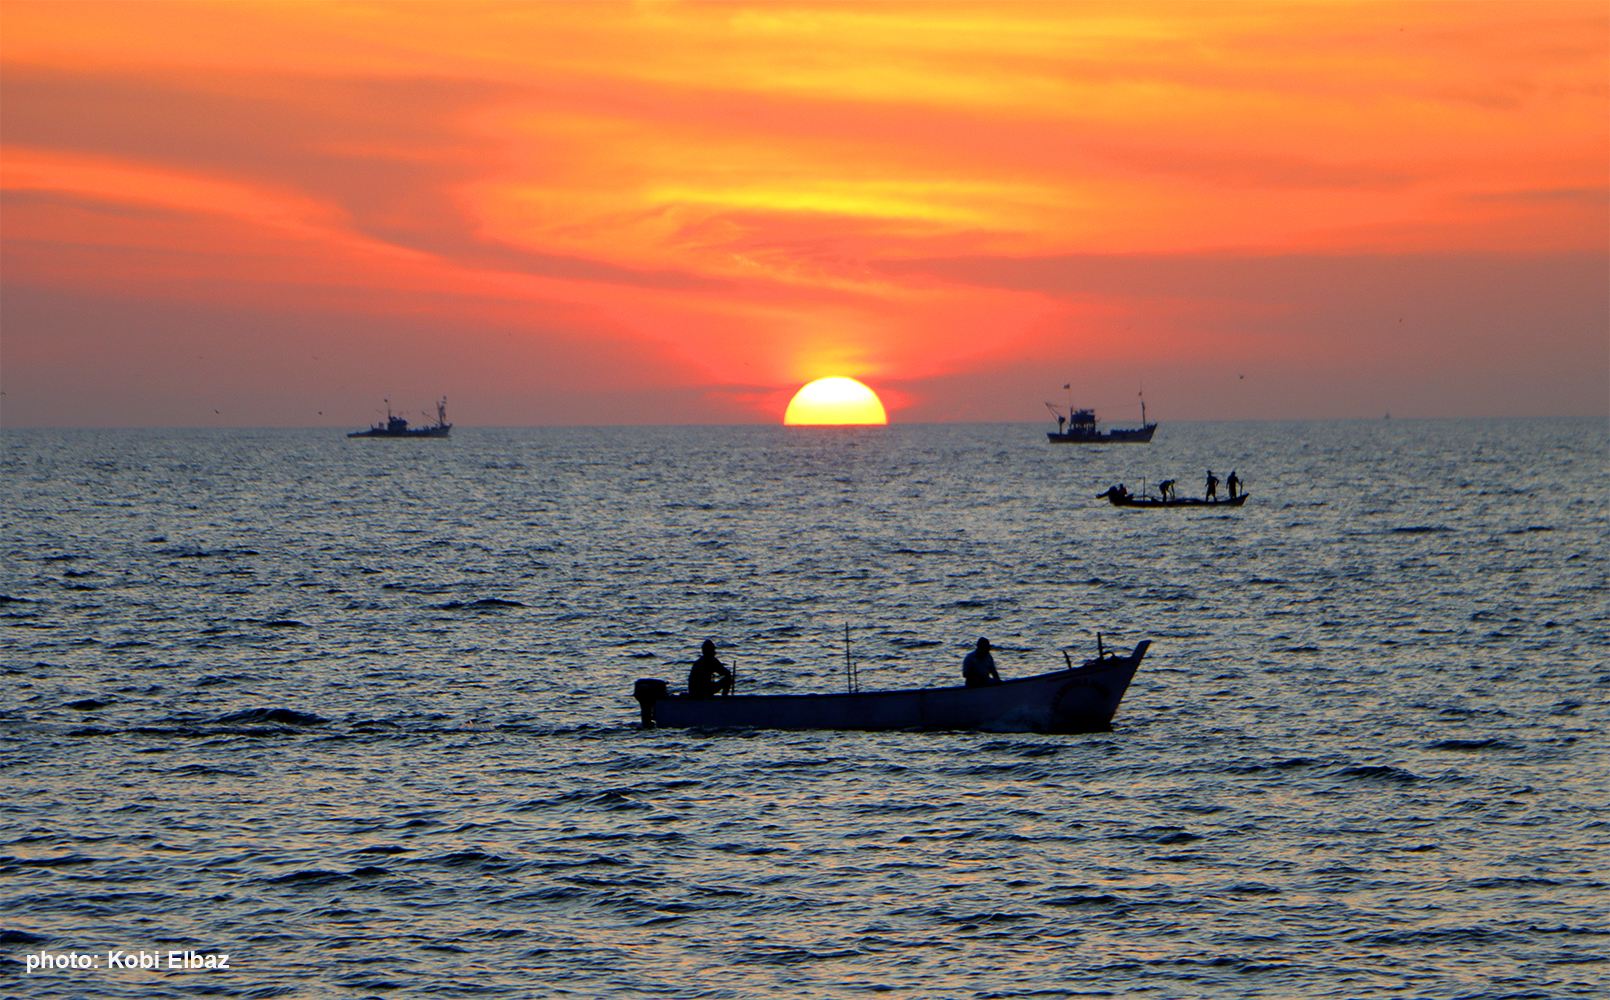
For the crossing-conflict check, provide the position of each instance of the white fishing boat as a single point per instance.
(1079, 699)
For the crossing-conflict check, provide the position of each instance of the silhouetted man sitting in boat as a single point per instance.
(1212, 486)
(979, 667)
(709, 676)
(1233, 485)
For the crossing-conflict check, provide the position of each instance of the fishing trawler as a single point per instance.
(397, 427)
(1079, 427)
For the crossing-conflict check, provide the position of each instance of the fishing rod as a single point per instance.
(852, 675)
(848, 688)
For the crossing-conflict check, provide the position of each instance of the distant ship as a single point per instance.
(397, 427)
(1081, 428)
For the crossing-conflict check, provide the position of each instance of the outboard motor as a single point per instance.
(647, 691)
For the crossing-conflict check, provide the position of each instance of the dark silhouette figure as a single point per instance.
(1166, 489)
(979, 667)
(709, 676)
(1233, 484)
(1212, 485)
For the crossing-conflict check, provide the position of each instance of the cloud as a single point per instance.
(743, 197)
(390, 155)
(1589, 198)
(1266, 171)
(1274, 278)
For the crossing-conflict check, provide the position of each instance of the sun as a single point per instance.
(835, 401)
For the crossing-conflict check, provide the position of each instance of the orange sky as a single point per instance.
(679, 213)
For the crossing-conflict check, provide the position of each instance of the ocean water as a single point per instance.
(357, 714)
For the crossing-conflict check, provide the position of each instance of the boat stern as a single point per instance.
(648, 691)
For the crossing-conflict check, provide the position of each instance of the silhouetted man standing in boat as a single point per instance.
(1233, 485)
(1166, 489)
(709, 676)
(1212, 486)
(979, 667)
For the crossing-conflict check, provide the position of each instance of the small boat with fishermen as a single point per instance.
(1121, 497)
(397, 427)
(1080, 427)
(1080, 699)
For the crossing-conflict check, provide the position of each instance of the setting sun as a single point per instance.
(835, 401)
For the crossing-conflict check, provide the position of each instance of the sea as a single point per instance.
(287, 714)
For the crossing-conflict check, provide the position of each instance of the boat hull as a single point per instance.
(1152, 503)
(1080, 700)
(420, 432)
(1139, 435)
